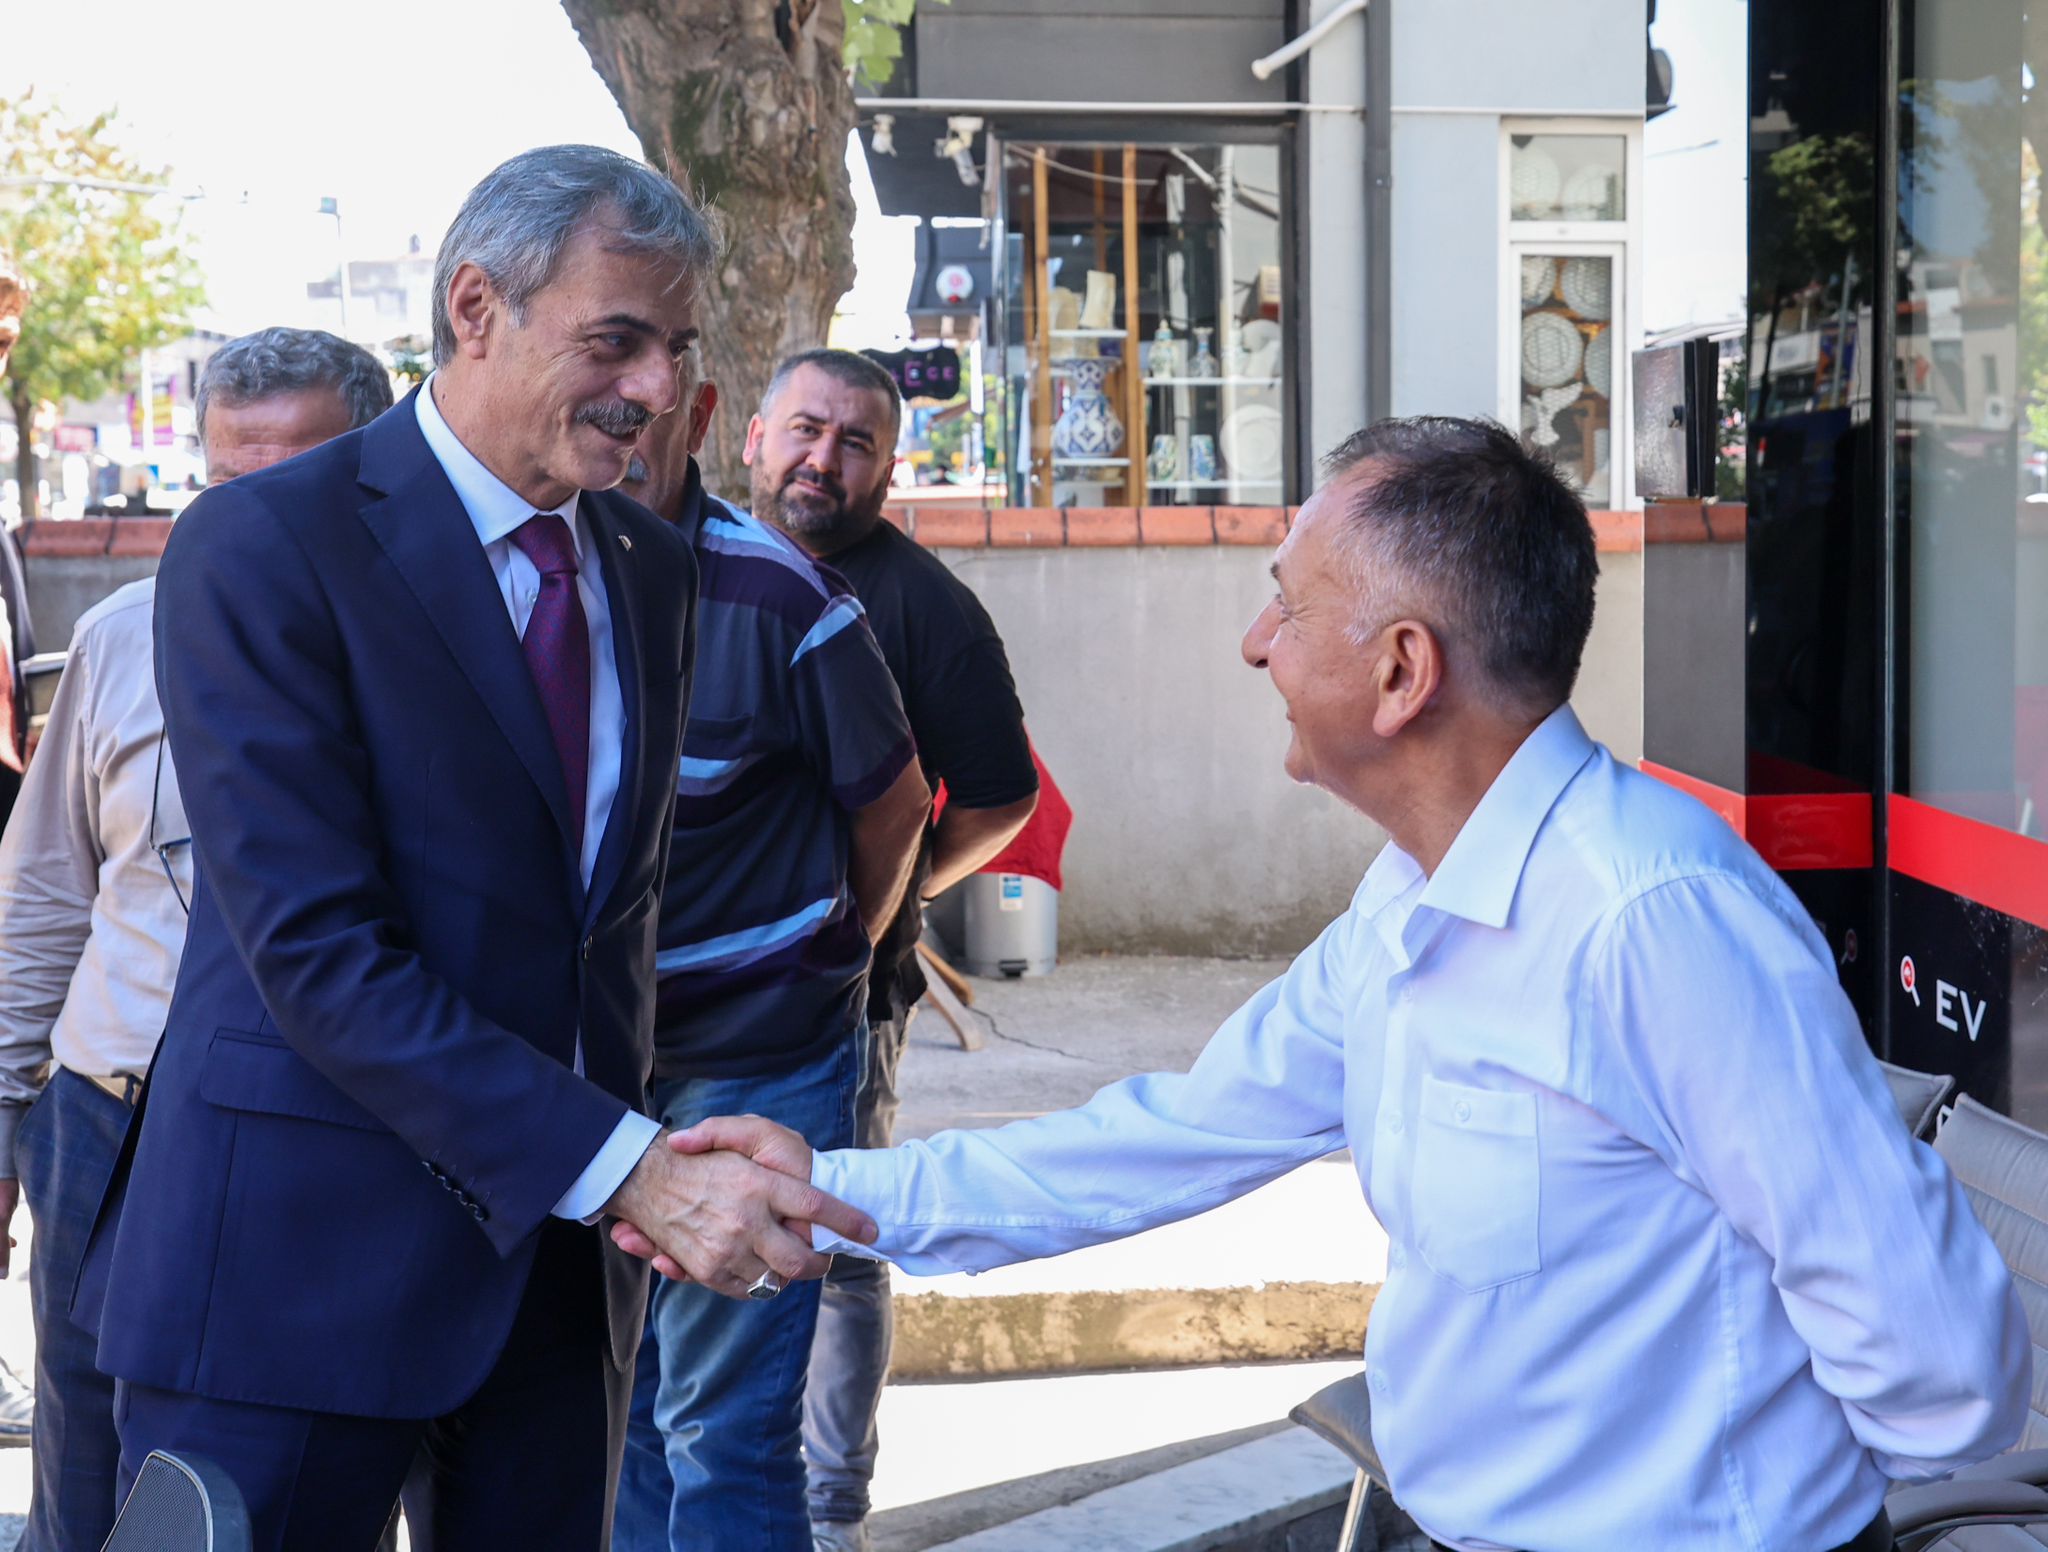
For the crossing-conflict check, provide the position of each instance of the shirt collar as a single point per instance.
(495, 509)
(1477, 878)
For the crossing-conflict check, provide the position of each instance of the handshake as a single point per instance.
(726, 1202)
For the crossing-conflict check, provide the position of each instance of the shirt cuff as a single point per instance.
(863, 1178)
(11, 1112)
(601, 1178)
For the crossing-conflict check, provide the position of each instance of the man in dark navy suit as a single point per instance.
(425, 688)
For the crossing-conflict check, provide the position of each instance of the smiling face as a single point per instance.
(554, 401)
(821, 455)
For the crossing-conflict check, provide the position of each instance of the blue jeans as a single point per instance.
(856, 1323)
(713, 1458)
(65, 1151)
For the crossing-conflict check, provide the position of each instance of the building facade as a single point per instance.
(1189, 278)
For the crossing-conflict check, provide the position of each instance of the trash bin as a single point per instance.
(1012, 924)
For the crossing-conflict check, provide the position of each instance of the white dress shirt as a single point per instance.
(1665, 1269)
(91, 921)
(496, 510)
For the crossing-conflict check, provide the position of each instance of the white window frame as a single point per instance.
(1619, 241)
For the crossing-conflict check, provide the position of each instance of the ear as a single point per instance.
(1408, 677)
(473, 304)
(755, 431)
(888, 472)
(700, 412)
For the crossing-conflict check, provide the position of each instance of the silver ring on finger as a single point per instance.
(766, 1286)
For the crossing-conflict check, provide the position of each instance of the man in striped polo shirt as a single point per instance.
(799, 808)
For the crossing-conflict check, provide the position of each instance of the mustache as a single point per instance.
(818, 482)
(615, 417)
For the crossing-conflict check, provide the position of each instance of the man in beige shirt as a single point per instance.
(95, 880)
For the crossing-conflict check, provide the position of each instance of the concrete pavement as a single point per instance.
(1287, 1272)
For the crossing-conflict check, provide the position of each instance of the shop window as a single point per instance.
(1144, 327)
(1971, 418)
(1567, 177)
(1565, 278)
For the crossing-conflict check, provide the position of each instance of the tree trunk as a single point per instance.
(24, 409)
(747, 105)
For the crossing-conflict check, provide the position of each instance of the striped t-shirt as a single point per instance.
(795, 722)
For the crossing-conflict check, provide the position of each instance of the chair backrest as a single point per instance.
(1918, 1096)
(181, 1503)
(2003, 1169)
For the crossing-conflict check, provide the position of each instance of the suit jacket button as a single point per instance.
(586, 947)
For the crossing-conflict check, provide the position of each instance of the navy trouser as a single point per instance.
(65, 1150)
(527, 1461)
(713, 1462)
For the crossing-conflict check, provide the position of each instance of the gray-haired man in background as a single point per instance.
(95, 879)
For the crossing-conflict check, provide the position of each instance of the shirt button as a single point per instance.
(1395, 1123)
(1462, 1111)
(1378, 1382)
(1398, 1256)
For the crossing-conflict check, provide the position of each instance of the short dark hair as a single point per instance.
(842, 366)
(279, 360)
(1490, 533)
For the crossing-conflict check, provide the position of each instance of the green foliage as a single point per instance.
(412, 358)
(109, 272)
(874, 37)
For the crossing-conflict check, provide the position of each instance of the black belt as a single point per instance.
(1874, 1537)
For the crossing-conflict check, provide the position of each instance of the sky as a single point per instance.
(1696, 219)
(393, 108)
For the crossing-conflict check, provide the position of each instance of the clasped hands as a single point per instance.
(726, 1200)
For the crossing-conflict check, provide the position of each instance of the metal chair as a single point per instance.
(181, 1503)
(1919, 1096)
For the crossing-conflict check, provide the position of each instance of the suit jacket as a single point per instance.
(364, 1104)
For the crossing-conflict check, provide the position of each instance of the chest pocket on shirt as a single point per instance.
(1476, 1174)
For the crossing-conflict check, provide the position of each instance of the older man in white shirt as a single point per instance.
(1665, 1270)
(95, 881)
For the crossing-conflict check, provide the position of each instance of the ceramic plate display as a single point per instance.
(1588, 288)
(1600, 364)
(1533, 179)
(1551, 350)
(1252, 442)
(1539, 278)
(1588, 195)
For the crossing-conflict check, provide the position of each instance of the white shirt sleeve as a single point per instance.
(1882, 1268)
(1265, 1096)
(584, 1201)
(49, 876)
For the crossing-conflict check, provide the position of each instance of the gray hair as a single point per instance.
(274, 361)
(515, 223)
(1455, 518)
(847, 367)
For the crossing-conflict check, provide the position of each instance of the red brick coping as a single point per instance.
(937, 527)
(1048, 528)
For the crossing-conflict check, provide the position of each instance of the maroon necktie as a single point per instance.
(557, 646)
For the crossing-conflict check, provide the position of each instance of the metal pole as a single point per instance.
(1379, 209)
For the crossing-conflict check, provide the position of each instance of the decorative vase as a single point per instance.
(1202, 458)
(1163, 467)
(1163, 360)
(1087, 427)
(1205, 363)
